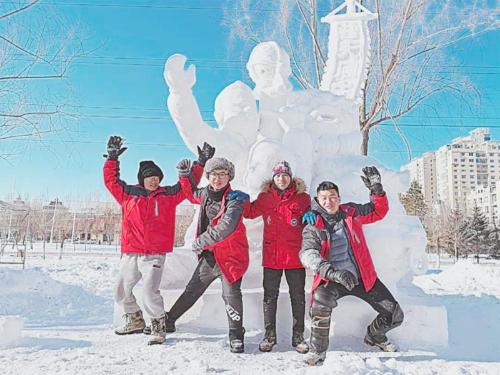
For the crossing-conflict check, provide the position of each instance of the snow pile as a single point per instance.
(466, 278)
(41, 300)
(10, 329)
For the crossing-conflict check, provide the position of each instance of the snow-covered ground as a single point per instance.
(67, 309)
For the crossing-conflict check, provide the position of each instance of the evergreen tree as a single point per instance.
(477, 233)
(413, 201)
(494, 241)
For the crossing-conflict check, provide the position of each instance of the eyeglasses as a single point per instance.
(220, 175)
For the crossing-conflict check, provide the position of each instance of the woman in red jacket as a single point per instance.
(148, 223)
(281, 203)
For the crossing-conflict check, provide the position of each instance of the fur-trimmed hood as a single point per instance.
(300, 185)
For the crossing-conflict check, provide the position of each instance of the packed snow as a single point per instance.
(66, 307)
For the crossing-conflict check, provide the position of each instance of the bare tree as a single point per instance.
(409, 62)
(36, 48)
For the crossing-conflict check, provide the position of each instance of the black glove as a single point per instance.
(184, 168)
(372, 180)
(204, 154)
(344, 277)
(115, 148)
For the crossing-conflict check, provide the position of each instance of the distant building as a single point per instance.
(451, 173)
(488, 201)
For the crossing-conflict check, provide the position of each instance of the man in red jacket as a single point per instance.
(281, 203)
(148, 223)
(222, 249)
(334, 248)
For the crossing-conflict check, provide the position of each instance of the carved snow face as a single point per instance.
(236, 111)
(264, 75)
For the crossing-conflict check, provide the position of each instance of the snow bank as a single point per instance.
(41, 300)
(10, 329)
(465, 277)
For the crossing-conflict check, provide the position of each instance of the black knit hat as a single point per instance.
(148, 168)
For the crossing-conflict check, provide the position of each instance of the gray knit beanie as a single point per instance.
(219, 163)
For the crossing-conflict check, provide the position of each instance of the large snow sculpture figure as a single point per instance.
(235, 114)
(317, 131)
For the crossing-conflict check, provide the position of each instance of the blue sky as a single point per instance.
(119, 89)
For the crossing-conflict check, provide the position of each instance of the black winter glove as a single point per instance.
(372, 180)
(204, 154)
(344, 277)
(184, 168)
(115, 148)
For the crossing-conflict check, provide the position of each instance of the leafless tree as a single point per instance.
(409, 64)
(37, 47)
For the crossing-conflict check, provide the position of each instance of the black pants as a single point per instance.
(204, 274)
(296, 279)
(325, 299)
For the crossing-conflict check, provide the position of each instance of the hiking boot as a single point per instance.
(315, 359)
(157, 331)
(298, 342)
(382, 343)
(134, 323)
(268, 342)
(147, 330)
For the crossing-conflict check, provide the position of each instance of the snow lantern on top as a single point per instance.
(348, 50)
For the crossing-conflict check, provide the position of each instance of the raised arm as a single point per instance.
(183, 106)
(111, 169)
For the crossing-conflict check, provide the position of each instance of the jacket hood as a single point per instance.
(300, 185)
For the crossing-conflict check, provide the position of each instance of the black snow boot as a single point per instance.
(237, 340)
(381, 342)
(298, 342)
(269, 340)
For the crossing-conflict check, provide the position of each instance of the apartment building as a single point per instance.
(451, 173)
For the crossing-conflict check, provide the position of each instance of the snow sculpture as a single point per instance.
(235, 114)
(317, 131)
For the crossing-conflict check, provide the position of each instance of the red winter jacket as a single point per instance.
(148, 218)
(355, 216)
(282, 216)
(226, 236)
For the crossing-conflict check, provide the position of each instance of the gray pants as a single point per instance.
(132, 268)
(379, 298)
(205, 274)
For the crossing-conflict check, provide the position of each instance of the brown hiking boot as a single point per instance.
(134, 323)
(158, 332)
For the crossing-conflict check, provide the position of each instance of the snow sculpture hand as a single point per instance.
(115, 148)
(176, 77)
(372, 180)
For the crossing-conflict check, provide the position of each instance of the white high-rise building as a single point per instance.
(488, 201)
(449, 174)
(423, 170)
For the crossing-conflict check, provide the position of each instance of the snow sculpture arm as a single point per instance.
(183, 106)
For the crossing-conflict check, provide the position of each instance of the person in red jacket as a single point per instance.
(281, 203)
(335, 249)
(148, 223)
(222, 249)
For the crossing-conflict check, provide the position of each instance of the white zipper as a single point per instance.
(356, 237)
(156, 208)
